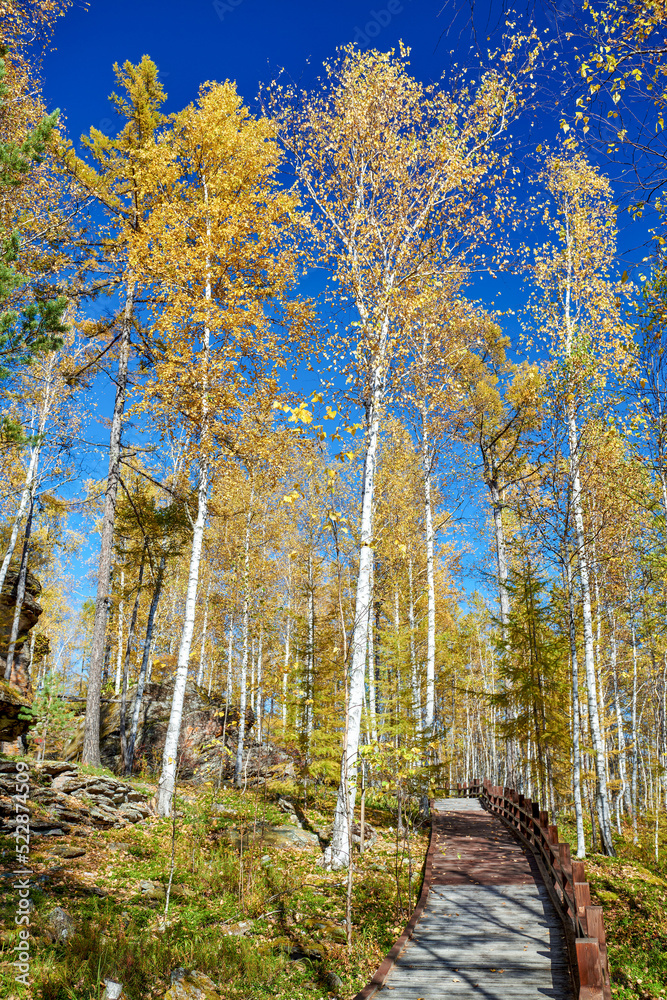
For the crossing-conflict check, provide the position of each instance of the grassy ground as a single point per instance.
(632, 888)
(291, 911)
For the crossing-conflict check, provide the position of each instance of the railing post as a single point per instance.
(591, 978)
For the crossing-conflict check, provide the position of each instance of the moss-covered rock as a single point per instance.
(191, 985)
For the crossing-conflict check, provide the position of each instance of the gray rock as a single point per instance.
(191, 985)
(112, 990)
(63, 779)
(59, 926)
(68, 851)
(152, 890)
(333, 982)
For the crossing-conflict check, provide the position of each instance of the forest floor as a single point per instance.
(632, 889)
(260, 921)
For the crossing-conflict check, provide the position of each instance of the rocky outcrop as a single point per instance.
(12, 700)
(201, 730)
(61, 798)
(17, 692)
(260, 761)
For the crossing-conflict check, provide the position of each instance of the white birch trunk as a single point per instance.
(288, 636)
(310, 658)
(427, 459)
(601, 796)
(373, 729)
(202, 652)
(167, 782)
(576, 722)
(635, 739)
(230, 659)
(31, 473)
(245, 636)
(170, 755)
(260, 707)
(416, 694)
(338, 853)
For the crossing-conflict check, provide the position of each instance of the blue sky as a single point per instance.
(242, 40)
(249, 41)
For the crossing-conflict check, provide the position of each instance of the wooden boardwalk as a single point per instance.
(489, 929)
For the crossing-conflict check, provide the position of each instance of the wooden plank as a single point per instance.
(488, 928)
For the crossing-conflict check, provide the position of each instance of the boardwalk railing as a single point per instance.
(565, 879)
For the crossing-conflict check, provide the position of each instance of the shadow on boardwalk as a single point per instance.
(489, 929)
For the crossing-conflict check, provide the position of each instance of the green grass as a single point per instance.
(294, 907)
(632, 889)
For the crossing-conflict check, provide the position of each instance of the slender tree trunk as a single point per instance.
(260, 707)
(20, 593)
(27, 495)
(126, 669)
(338, 854)
(624, 791)
(119, 650)
(427, 460)
(601, 792)
(170, 754)
(202, 652)
(416, 699)
(310, 658)
(574, 445)
(501, 556)
(576, 720)
(91, 732)
(288, 635)
(635, 738)
(141, 680)
(238, 768)
(373, 729)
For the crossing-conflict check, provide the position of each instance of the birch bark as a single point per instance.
(373, 730)
(416, 695)
(576, 720)
(427, 460)
(574, 445)
(338, 853)
(245, 638)
(167, 781)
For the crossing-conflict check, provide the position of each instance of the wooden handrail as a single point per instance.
(565, 878)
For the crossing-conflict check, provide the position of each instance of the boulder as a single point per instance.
(59, 926)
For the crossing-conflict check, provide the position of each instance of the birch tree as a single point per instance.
(579, 308)
(397, 178)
